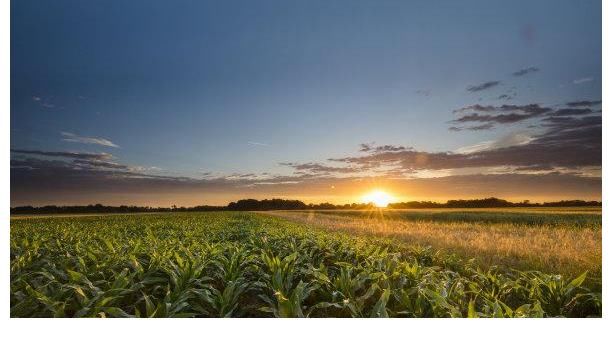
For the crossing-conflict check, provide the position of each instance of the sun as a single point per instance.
(379, 198)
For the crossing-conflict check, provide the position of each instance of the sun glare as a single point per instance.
(379, 198)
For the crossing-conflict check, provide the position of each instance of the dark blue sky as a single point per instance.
(178, 88)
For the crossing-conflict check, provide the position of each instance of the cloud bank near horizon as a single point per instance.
(558, 157)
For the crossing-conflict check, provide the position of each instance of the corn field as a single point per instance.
(232, 264)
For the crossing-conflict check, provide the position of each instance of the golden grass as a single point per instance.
(563, 250)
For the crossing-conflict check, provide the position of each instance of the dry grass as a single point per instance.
(566, 250)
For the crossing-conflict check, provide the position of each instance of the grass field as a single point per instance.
(555, 240)
(224, 264)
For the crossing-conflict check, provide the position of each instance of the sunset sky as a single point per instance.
(205, 102)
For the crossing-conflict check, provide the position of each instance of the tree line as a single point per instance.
(491, 202)
(283, 204)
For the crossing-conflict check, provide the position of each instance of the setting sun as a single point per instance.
(379, 198)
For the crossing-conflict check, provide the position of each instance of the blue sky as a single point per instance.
(239, 87)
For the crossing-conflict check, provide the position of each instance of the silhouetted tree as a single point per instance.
(282, 204)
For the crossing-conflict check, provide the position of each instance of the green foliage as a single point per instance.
(229, 264)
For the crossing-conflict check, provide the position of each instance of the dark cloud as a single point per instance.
(583, 103)
(500, 118)
(100, 164)
(504, 97)
(568, 142)
(483, 86)
(525, 71)
(320, 169)
(486, 126)
(366, 147)
(490, 115)
(56, 169)
(573, 111)
(504, 114)
(533, 108)
(370, 147)
(65, 154)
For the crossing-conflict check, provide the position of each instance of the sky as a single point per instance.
(204, 102)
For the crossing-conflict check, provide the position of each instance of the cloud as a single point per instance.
(45, 103)
(53, 169)
(504, 113)
(537, 167)
(319, 169)
(568, 142)
(510, 140)
(258, 144)
(70, 137)
(584, 103)
(66, 154)
(99, 164)
(552, 159)
(549, 163)
(423, 92)
(84, 187)
(489, 115)
(573, 111)
(486, 126)
(371, 147)
(525, 71)
(533, 108)
(483, 86)
(582, 80)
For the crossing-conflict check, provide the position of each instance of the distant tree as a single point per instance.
(282, 204)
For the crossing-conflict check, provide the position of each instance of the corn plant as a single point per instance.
(232, 264)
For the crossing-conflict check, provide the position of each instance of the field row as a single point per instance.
(242, 264)
(559, 245)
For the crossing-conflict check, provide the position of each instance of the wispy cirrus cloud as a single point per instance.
(71, 137)
(43, 102)
(582, 80)
(260, 144)
(510, 140)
